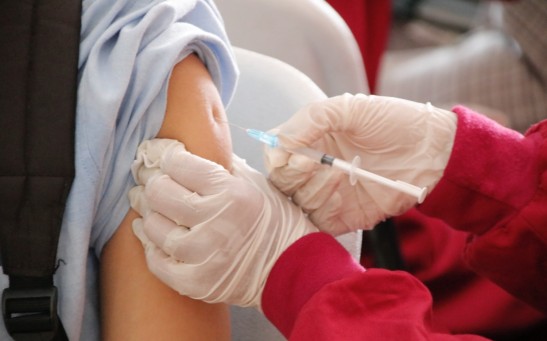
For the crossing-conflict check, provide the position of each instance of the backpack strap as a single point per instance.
(39, 43)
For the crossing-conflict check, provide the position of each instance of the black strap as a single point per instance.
(382, 243)
(39, 42)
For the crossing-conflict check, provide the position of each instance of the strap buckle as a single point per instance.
(28, 311)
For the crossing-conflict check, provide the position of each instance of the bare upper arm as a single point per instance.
(135, 304)
(195, 114)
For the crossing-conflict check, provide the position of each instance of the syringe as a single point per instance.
(352, 169)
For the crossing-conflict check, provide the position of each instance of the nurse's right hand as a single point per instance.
(395, 138)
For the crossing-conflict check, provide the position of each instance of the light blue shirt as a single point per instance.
(127, 51)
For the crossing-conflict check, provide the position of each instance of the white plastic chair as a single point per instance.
(307, 34)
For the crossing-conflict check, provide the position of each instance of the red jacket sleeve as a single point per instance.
(495, 183)
(493, 188)
(316, 291)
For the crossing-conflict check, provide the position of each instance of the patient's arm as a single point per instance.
(135, 304)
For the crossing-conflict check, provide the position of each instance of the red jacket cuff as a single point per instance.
(302, 270)
(492, 173)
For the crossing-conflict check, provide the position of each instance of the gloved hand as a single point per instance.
(395, 138)
(209, 234)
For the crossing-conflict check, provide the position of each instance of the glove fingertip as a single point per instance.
(133, 196)
(138, 229)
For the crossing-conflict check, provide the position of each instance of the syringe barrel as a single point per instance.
(415, 191)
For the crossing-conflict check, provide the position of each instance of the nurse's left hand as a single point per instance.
(210, 234)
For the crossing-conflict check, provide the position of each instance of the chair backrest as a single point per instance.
(307, 34)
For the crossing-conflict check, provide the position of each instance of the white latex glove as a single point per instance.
(395, 138)
(209, 234)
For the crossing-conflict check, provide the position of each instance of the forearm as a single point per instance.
(333, 298)
(307, 266)
(135, 304)
(493, 172)
(495, 187)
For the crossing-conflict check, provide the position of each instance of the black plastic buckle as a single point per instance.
(29, 311)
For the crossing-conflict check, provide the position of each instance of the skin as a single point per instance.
(135, 305)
